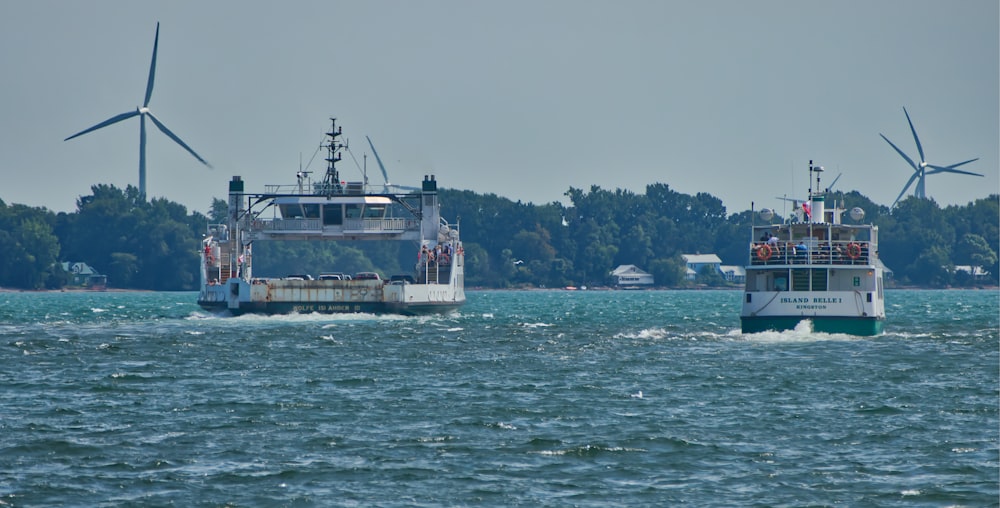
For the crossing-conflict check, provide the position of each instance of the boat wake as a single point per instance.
(648, 333)
(803, 332)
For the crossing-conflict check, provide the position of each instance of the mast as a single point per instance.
(331, 181)
(817, 200)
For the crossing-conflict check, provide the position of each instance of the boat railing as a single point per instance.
(388, 225)
(284, 189)
(819, 253)
(277, 225)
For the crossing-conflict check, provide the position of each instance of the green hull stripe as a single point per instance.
(848, 325)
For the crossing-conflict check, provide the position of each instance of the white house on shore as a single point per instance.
(631, 276)
(696, 262)
(733, 273)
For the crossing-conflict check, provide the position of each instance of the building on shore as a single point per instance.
(83, 275)
(631, 276)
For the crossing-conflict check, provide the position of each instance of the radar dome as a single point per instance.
(857, 213)
(766, 214)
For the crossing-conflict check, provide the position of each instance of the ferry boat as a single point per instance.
(332, 210)
(814, 267)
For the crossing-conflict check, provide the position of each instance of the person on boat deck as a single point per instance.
(824, 250)
(772, 241)
(766, 236)
(801, 249)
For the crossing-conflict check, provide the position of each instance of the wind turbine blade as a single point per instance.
(834, 182)
(950, 169)
(176, 139)
(109, 121)
(378, 159)
(793, 200)
(905, 188)
(142, 157)
(920, 148)
(953, 166)
(152, 67)
(900, 152)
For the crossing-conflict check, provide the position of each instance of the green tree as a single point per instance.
(709, 276)
(29, 250)
(218, 213)
(932, 267)
(122, 269)
(636, 247)
(479, 269)
(973, 250)
(668, 272)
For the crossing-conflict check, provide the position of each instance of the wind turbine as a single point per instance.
(385, 176)
(142, 112)
(920, 170)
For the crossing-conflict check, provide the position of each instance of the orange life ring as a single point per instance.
(853, 250)
(764, 252)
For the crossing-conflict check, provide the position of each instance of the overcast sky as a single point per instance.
(524, 99)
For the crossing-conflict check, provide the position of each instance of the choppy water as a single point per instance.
(523, 398)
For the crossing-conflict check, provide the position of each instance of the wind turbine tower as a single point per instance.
(142, 112)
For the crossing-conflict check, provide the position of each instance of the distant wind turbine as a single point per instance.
(142, 112)
(920, 170)
(385, 176)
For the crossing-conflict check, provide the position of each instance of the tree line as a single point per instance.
(154, 244)
(513, 243)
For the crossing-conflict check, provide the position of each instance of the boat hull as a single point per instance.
(332, 308)
(859, 311)
(862, 326)
(237, 297)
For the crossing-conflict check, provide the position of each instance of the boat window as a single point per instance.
(781, 282)
(333, 215)
(311, 210)
(352, 211)
(374, 211)
(291, 211)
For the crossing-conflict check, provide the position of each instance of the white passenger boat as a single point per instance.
(814, 267)
(332, 210)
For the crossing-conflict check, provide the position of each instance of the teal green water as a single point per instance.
(541, 398)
